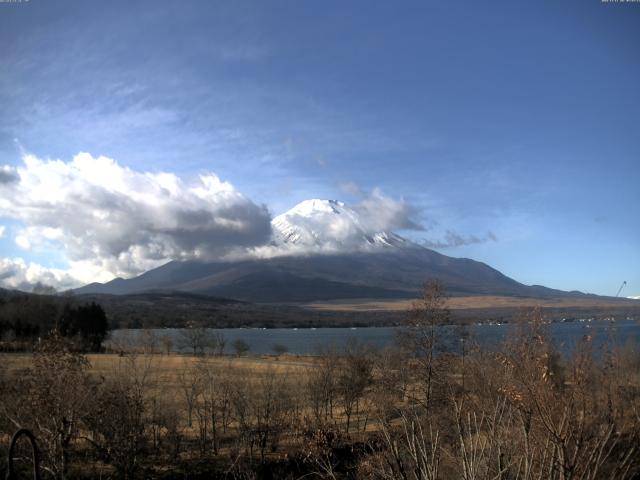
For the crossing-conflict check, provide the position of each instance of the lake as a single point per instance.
(307, 340)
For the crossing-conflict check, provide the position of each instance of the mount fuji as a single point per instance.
(330, 225)
(325, 250)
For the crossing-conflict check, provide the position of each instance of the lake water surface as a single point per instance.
(566, 336)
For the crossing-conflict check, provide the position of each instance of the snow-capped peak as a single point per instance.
(330, 225)
(308, 208)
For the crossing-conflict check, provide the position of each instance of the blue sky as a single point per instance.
(510, 126)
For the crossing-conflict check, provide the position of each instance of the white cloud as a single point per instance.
(380, 213)
(23, 242)
(350, 188)
(329, 227)
(453, 239)
(2, 230)
(18, 274)
(112, 221)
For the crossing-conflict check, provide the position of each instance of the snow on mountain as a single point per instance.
(330, 225)
(637, 297)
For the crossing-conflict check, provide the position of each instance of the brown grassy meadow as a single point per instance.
(414, 411)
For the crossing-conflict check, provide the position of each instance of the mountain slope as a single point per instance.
(326, 250)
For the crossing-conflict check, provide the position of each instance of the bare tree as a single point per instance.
(220, 343)
(190, 387)
(262, 410)
(197, 339)
(321, 386)
(422, 335)
(117, 426)
(167, 343)
(279, 349)
(582, 425)
(50, 399)
(391, 381)
(212, 404)
(354, 376)
(149, 341)
(413, 451)
(241, 347)
(123, 411)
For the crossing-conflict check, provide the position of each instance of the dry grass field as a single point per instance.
(163, 372)
(355, 414)
(476, 302)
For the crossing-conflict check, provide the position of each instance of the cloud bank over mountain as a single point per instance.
(330, 226)
(106, 220)
(110, 220)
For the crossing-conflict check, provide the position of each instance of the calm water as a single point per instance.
(308, 340)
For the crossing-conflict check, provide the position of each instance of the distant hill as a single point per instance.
(173, 309)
